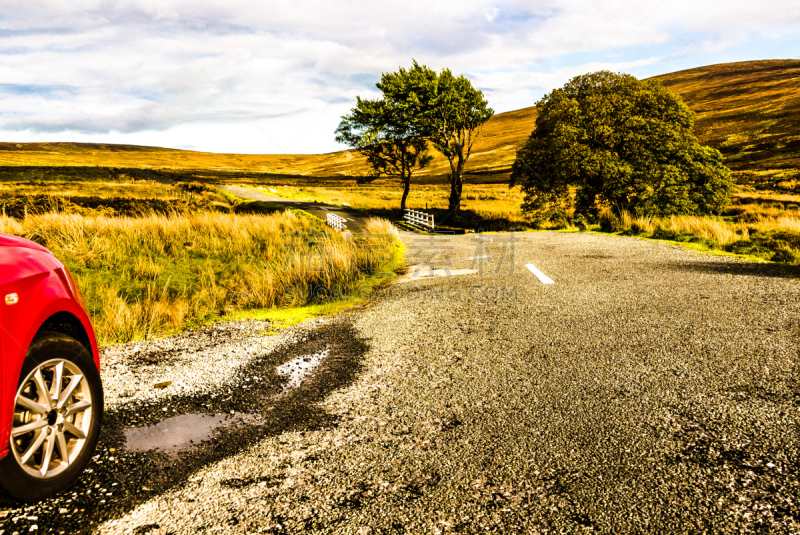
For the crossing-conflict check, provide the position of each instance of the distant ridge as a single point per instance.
(750, 111)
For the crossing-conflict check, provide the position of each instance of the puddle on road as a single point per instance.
(188, 431)
(183, 432)
(298, 369)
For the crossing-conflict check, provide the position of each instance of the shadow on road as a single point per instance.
(118, 480)
(746, 269)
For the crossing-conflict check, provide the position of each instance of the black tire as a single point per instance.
(18, 483)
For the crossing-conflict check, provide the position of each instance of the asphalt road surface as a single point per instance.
(563, 383)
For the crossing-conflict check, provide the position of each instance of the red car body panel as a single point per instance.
(43, 289)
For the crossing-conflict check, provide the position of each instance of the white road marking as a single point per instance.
(539, 275)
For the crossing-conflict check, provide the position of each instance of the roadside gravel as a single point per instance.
(196, 362)
(228, 369)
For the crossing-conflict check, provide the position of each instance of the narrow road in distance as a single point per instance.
(355, 220)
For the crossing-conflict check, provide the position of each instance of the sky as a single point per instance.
(275, 77)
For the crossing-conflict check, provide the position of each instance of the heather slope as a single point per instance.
(495, 150)
(750, 111)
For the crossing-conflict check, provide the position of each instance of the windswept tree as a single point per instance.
(452, 113)
(617, 142)
(386, 131)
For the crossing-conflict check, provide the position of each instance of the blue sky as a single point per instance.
(275, 77)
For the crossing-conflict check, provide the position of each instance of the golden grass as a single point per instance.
(776, 224)
(710, 229)
(483, 201)
(707, 228)
(153, 275)
(774, 238)
(103, 189)
(766, 196)
(379, 226)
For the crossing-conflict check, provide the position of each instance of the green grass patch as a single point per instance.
(285, 317)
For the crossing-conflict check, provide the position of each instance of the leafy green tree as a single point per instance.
(387, 132)
(450, 113)
(621, 143)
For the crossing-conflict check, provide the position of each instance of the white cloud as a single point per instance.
(241, 76)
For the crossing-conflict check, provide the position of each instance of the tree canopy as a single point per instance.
(621, 143)
(450, 114)
(388, 133)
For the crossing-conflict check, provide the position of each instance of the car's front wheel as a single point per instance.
(58, 410)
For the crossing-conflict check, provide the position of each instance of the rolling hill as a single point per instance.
(750, 111)
(493, 152)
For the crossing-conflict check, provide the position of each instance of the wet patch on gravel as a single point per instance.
(185, 432)
(255, 400)
(194, 362)
(296, 370)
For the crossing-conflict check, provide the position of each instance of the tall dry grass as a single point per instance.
(775, 237)
(381, 227)
(711, 229)
(152, 275)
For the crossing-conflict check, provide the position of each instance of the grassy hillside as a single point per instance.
(748, 110)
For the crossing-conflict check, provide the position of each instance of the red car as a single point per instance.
(51, 397)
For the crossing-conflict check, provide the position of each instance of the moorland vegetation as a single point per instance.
(759, 224)
(179, 255)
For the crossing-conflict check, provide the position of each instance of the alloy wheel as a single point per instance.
(52, 418)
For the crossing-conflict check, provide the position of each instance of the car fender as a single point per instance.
(40, 297)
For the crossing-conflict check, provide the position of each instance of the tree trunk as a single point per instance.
(455, 195)
(406, 187)
(456, 187)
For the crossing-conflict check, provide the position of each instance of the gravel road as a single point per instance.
(649, 389)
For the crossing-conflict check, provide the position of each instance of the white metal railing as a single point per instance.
(419, 219)
(336, 222)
